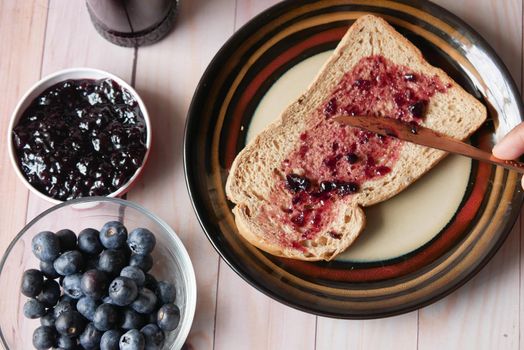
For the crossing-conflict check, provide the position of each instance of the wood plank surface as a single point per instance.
(257, 321)
(398, 332)
(247, 9)
(484, 314)
(166, 77)
(78, 46)
(38, 37)
(22, 31)
(247, 319)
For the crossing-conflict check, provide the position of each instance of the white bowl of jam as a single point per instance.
(79, 132)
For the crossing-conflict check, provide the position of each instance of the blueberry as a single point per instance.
(143, 262)
(165, 292)
(32, 283)
(44, 337)
(46, 246)
(94, 283)
(48, 319)
(50, 293)
(72, 286)
(418, 108)
(141, 241)
(135, 274)
(67, 343)
(106, 317)
(132, 319)
(330, 108)
(69, 263)
(150, 283)
(70, 323)
(327, 186)
(132, 340)
(346, 188)
(297, 183)
(113, 235)
(352, 158)
(89, 241)
(90, 337)
(168, 317)
(145, 301)
(153, 336)
(112, 261)
(33, 309)
(91, 262)
(123, 291)
(67, 240)
(68, 299)
(61, 307)
(87, 307)
(107, 300)
(151, 318)
(110, 340)
(48, 270)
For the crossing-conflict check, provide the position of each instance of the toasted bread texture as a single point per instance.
(255, 180)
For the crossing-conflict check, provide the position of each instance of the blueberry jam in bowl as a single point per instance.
(160, 270)
(79, 132)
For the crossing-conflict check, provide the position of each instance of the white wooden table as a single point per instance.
(38, 37)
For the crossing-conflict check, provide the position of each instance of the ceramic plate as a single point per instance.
(418, 246)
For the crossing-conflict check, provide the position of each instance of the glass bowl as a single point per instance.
(171, 262)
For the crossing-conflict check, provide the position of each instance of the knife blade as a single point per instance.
(425, 137)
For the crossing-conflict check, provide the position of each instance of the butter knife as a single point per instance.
(425, 137)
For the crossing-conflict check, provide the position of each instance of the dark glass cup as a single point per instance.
(132, 22)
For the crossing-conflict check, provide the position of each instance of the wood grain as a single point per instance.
(78, 46)
(247, 9)
(72, 41)
(398, 332)
(256, 321)
(484, 314)
(39, 38)
(166, 77)
(22, 31)
(499, 22)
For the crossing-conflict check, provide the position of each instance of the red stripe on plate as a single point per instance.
(263, 75)
(423, 258)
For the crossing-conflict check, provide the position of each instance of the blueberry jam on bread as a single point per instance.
(300, 185)
(337, 159)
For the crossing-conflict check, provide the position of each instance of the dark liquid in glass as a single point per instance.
(132, 22)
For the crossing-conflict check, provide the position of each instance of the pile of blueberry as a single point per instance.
(105, 298)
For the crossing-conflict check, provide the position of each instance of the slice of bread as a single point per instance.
(256, 178)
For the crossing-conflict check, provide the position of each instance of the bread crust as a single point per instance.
(446, 113)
